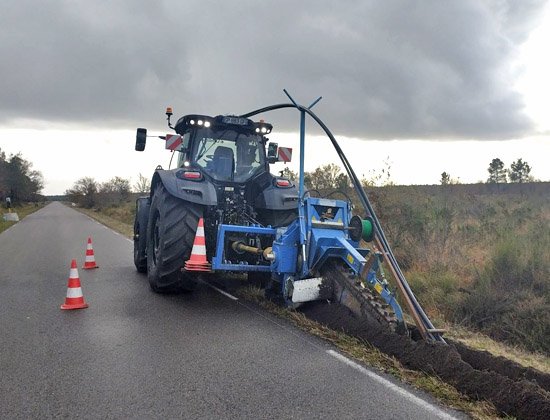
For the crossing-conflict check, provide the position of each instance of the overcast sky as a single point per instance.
(387, 70)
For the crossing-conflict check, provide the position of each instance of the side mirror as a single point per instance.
(141, 138)
(272, 152)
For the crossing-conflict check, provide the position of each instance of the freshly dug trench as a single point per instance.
(484, 360)
(523, 399)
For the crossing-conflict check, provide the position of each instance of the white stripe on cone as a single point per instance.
(198, 250)
(73, 273)
(74, 292)
(89, 258)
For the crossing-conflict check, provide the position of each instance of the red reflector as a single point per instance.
(282, 183)
(192, 175)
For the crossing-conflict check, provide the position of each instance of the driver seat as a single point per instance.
(223, 163)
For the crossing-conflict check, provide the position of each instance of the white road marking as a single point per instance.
(384, 382)
(229, 295)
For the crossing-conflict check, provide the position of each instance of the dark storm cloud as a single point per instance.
(392, 69)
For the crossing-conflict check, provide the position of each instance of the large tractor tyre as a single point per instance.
(170, 235)
(140, 237)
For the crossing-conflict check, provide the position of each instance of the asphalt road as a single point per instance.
(135, 354)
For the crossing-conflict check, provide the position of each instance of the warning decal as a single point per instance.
(285, 154)
(173, 141)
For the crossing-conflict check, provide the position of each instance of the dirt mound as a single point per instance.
(484, 360)
(523, 399)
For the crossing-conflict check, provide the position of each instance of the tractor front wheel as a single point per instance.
(170, 234)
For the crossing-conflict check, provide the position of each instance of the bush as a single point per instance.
(510, 300)
(437, 291)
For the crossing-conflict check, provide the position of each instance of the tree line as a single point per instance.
(518, 172)
(18, 180)
(88, 193)
(331, 177)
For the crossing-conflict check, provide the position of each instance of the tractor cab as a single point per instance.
(226, 149)
(224, 153)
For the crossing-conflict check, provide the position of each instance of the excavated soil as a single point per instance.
(484, 360)
(513, 393)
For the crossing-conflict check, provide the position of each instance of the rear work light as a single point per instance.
(263, 127)
(189, 175)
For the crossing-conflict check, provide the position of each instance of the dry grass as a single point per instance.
(114, 223)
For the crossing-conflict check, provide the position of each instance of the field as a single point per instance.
(476, 257)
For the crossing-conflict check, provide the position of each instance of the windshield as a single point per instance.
(227, 155)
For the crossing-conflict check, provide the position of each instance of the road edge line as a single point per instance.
(229, 295)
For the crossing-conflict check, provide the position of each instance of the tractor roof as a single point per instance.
(222, 121)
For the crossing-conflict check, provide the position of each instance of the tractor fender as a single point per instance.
(198, 192)
(274, 198)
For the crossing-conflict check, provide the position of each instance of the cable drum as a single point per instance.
(361, 229)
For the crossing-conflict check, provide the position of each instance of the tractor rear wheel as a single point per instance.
(170, 235)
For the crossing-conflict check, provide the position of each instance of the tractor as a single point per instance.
(220, 201)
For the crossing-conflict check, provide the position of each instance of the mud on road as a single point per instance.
(513, 389)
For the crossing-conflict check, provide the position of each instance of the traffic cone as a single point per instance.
(197, 261)
(74, 299)
(90, 259)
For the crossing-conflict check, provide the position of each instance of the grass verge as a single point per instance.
(22, 211)
(117, 225)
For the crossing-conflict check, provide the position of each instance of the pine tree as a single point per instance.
(519, 171)
(497, 173)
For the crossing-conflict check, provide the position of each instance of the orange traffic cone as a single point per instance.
(74, 299)
(90, 258)
(197, 261)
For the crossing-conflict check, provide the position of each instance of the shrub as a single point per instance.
(510, 300)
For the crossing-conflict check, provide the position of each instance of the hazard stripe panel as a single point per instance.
(284, 154)
(173, 141)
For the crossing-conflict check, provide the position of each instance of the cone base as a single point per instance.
(197, 267)
(89, 267)
(74, 306)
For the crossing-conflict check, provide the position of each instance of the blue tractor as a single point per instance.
(221, 210)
